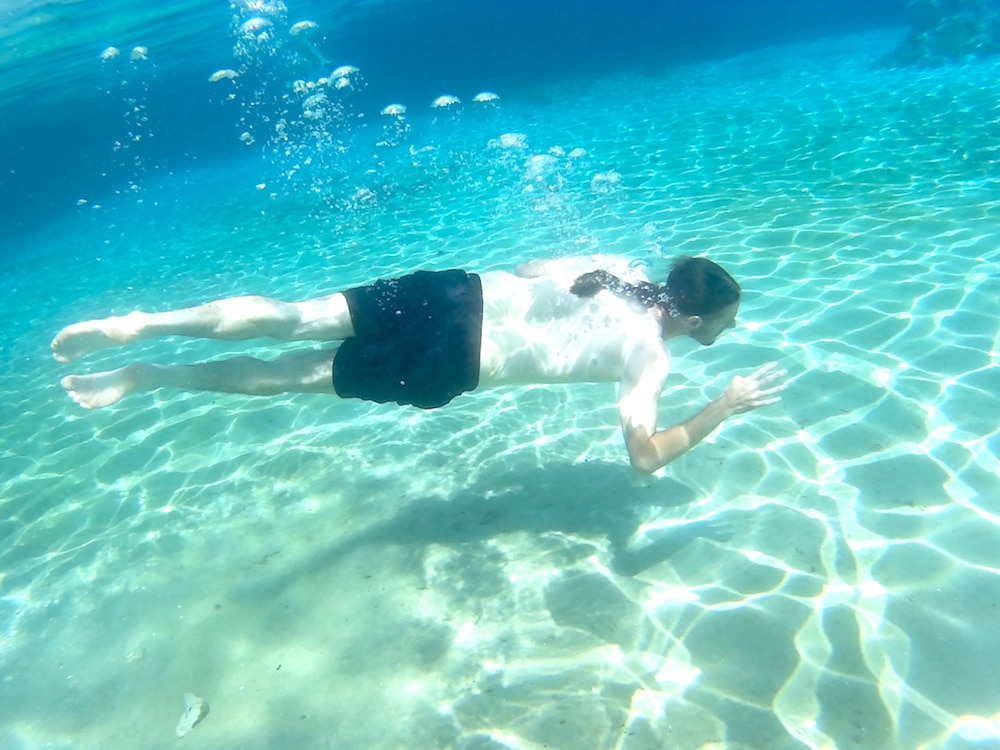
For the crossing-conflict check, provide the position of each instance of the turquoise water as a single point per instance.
(822, 573)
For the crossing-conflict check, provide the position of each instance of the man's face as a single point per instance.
(712, 326)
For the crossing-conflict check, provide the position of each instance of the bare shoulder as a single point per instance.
(567, 269)
(647, 360)
(644, 374)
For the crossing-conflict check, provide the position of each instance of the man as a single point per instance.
(427, 337)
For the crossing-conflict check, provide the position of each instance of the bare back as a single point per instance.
(536, 331)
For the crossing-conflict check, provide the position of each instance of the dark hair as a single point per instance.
(695, 286)
(589, 284)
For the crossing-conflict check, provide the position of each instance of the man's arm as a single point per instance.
(650, 449)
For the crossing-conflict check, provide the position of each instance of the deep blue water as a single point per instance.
(61, 111)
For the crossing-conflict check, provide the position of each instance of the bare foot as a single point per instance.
(102, 388)
(93, 335)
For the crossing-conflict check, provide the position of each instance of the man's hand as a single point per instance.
(758, 389)
(649, 448)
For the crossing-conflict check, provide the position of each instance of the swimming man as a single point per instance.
(425, 338)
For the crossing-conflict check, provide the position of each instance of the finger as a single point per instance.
(772, 376)
(763, 370)
(767, 401)
(774, 382)
(772, 391)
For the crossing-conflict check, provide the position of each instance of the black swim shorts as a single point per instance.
(417, 339)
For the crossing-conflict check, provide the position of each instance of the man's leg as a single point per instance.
(235, 318)
(299, 372)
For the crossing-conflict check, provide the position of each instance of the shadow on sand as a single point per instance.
(590, 500)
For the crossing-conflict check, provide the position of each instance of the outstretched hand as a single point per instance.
(758, 389)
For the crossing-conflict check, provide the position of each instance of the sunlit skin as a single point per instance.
(534, 331)
(705, 329)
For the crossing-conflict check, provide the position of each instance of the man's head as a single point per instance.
(702, 297)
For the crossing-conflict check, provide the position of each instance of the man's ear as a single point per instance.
(694, 322)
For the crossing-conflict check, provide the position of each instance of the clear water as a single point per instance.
(823, 573)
